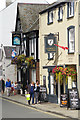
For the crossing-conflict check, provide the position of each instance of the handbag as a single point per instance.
(27, 96)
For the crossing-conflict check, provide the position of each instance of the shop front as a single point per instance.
(60, 80)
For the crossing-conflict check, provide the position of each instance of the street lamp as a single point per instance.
(24, 67)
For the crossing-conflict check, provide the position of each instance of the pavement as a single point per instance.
(46, 107)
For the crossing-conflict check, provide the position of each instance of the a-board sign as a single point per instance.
(63, 100)
(42, 89)
(73, 98)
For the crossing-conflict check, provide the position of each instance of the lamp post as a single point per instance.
(24, 67)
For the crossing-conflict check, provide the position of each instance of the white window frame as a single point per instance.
(51, 84)
(71, 9)
(61, 13)
(71, 39)
(50, 17)
(32, 47)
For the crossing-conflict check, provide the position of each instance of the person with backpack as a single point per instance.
(31, 92)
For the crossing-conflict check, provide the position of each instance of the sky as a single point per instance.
(2, 3)
(51, 1)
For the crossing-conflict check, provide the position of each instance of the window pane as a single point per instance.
(71, 40)
(29, 47)
(32, 46)
(50, 16)
(71, 7)
(61, 12)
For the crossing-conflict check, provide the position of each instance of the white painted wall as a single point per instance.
(7, 24)
(2, 4)
(11, 71)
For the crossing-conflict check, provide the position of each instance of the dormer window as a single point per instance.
(50, 17)
(70, 10)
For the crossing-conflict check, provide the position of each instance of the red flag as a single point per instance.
(61, 47)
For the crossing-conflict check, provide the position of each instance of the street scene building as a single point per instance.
(60, 20)
(40, 57)
(6, 69)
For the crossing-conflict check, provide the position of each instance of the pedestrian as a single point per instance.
(8, 87)
(36, 90)
(2, 86)
(31, 92)
(12, 88)
(15, 88)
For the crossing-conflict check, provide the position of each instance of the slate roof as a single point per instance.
(8, 51)
(29, 15)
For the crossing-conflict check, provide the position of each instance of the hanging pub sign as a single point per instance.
(16, 39)
(50, 40)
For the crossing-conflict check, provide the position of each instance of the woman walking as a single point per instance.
(31, 92)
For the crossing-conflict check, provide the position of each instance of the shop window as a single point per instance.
(70, 9)
(52, 85)
(50, 17)
(71, 39)
(60, 14)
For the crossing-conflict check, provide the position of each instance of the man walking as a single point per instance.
(8, 86)
(37, 89)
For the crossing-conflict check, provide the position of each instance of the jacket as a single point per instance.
(8, 84)
(31, 88)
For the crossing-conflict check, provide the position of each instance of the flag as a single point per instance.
(61, 46)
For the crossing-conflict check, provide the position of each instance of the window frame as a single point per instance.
(50, 13)
(68, 29)
(59, 9)
(68, 10)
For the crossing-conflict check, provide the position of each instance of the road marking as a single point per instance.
(52, 114)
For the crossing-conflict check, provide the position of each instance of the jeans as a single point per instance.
(36, 97)
(31, 96)
(8, 91)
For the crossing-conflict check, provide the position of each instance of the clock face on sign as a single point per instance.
(50, 42)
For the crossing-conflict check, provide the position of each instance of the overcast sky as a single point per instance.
(2, 3)
(51, 1)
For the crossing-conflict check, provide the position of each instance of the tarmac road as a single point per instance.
(15, 110)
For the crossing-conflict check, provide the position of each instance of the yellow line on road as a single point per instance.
(53, 114)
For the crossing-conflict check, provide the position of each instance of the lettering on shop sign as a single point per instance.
(73, 98)
(50, 40)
